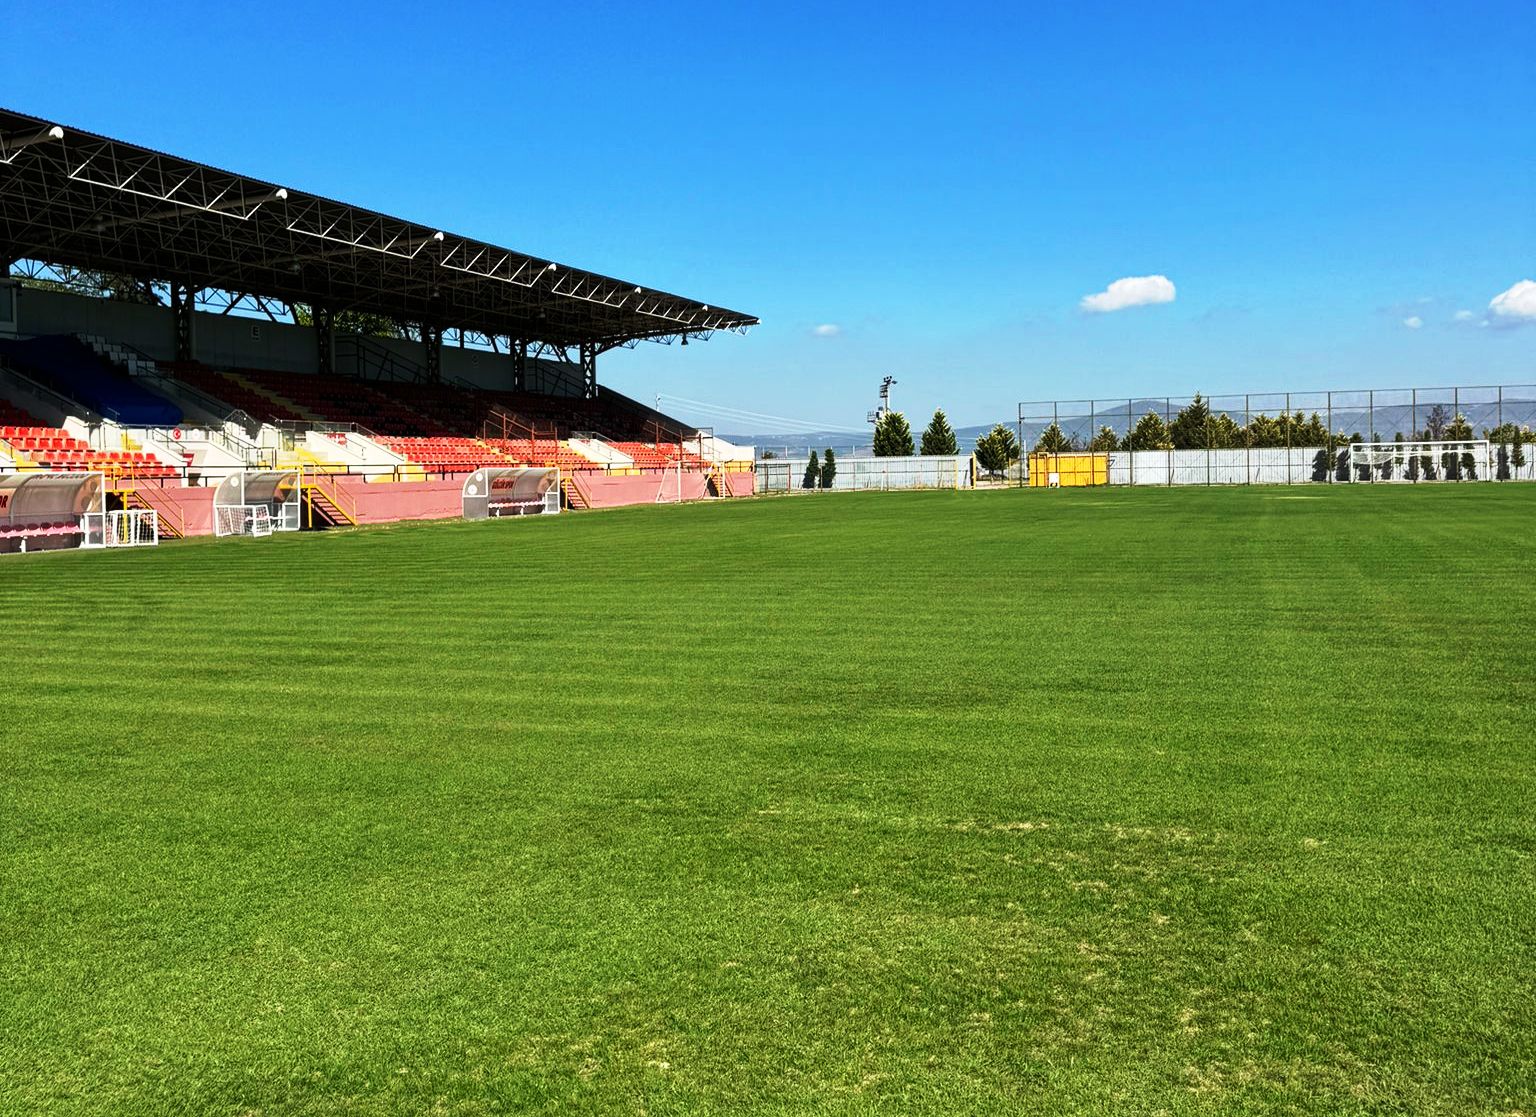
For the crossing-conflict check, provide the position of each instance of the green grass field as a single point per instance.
(1204, 801)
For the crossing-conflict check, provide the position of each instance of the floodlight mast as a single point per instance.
(885, 401)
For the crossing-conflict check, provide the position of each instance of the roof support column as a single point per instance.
(519, 364)
(325, 339)
(183, 304)
(589, 369)
(432, 339)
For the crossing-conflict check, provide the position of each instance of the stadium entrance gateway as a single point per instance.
(493, 493)
(257, 504)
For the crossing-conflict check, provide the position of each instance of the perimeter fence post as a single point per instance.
(1370, 409)
(1167, 422)
(1288, 480)
(1328, 444)
(1130, 449)
(1020, 426)
(1247, 443)
(1207, 447)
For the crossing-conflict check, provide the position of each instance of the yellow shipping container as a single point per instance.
(1069, 469)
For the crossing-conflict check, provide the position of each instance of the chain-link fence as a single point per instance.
(1279, 437)
(781, 475)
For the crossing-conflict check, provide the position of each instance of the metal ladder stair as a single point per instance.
(574, 497)
(173, 524)
(327, 503)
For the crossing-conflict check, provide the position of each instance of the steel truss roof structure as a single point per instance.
(77, 199)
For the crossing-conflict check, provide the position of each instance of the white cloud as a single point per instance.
(1133, 290)
(1463, 316)
(1516, 305)
(1413, 322)
(827, 329)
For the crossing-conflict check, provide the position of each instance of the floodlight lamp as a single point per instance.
(51, 133)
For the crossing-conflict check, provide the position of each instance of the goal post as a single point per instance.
(256, 503)
(131, 527)
(242, 519)
(1421, 460)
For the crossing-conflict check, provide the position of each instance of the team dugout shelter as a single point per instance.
(76, 199)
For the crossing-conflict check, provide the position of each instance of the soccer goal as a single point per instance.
(1421, 460)
(256, 503)
(242, 519)
(131, 527)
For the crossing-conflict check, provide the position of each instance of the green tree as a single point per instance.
(1150, 433)
(1459, 430)
(1436, 422)
(1397, 457)
(1191, 427)
(939, 438)
(1262, 432)
(828, 469)
(812, 473)
(1052, 441)
(1225, 434)
(893, 437)
(351, 322)
(1509, 440)
(1106, 441)
(997, 450)
(1310, 433)
(99, 284)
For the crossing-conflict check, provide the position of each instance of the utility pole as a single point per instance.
(885, 401)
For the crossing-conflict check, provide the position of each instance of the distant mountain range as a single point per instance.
(1388, 419)
(843, 441)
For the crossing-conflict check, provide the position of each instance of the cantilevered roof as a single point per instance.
(70, 197)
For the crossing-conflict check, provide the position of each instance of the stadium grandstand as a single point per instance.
(169, 325)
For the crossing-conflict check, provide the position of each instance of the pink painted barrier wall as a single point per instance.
(387, 501)
(193, 506)
(741, 484)
(615, 492)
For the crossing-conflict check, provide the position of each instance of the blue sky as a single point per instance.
(1325, 186)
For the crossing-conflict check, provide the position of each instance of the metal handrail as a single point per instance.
(164, 508)
(387, 361)
(67, 404)
(209, 403)
(332, 493)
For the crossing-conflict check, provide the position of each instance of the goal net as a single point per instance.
(133, 527)
(1421, 460)
(242, 519)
